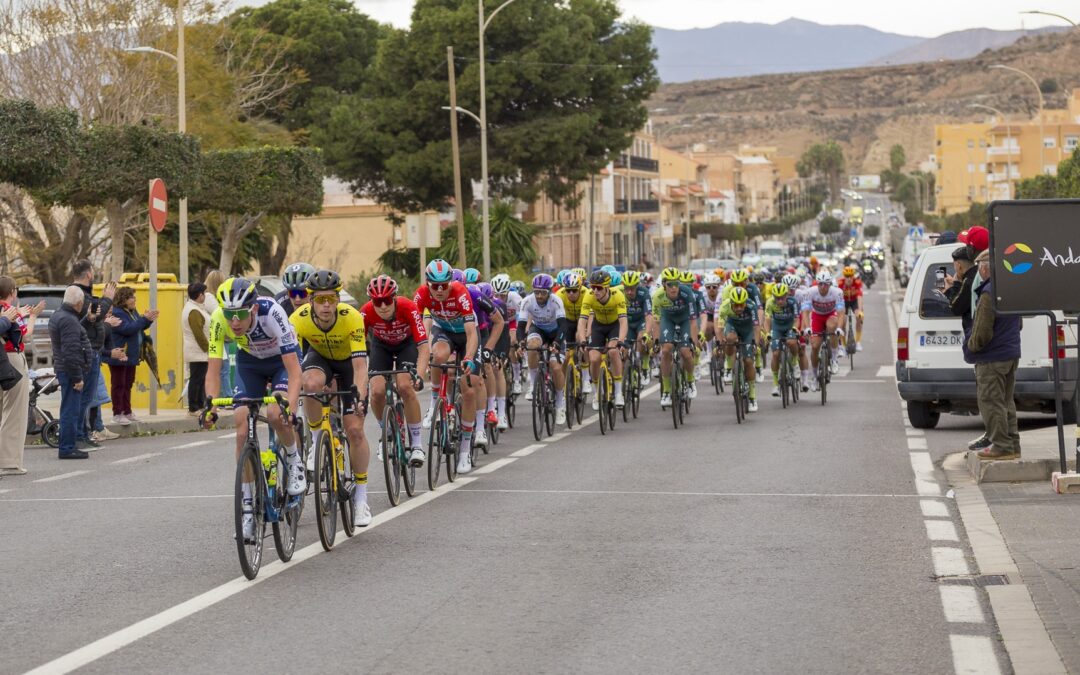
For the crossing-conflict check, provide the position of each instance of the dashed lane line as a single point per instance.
(961, 604)
(941, 530)
(793, 495)
(63, 476)
(932, 508)
(193, 444)
(137, 458)
(973, 655)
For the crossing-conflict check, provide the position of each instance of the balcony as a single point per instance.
(1001, 178)
(638, 163)
(638, 206)
(1003, 151)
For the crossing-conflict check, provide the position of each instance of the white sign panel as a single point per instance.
(432, 233)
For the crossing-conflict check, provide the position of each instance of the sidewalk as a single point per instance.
(1039, 458)
(164, 422)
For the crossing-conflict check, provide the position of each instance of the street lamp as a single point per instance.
(1008, 144)
(1042, 131)
(181, 121)
(1058, 16)
(483, 24)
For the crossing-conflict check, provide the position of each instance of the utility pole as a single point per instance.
(592, 222)
(459, 208)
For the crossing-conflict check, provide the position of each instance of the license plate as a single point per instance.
(952, 339)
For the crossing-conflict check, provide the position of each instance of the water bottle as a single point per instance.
(269, 460)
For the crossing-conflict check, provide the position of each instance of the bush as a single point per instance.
(871, 231)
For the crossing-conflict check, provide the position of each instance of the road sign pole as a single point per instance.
(153, 305)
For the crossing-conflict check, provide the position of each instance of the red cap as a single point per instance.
(978, 238)
(962, 237)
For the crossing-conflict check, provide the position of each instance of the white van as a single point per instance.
(930, 370)
(773, 253)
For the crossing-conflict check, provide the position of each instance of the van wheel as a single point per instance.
(1068, 413)
(921, 416)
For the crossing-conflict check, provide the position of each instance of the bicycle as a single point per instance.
(849, 342)
(824, 375)
(680, 385)
(543, 402)
(270, 503)
(632, 382)
(716, 366)
(395, 442)
(605, 393)
(576, 404)
(787, 381)
(444, 436)
(740, 386)
(333, 470)
(511, 397)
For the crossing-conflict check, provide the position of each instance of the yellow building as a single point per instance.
(961, 154)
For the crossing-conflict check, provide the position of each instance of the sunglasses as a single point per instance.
(597, 289)
(236, 314)
(671, 284)
(325, 299)
(382, 302)
(298, 293)
(438, 286)
(573, 290)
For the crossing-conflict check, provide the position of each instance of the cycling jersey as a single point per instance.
(677, 310)
(852, 290)
(747, 319)
(829, 303)
(783, 318)
(545, 317)
(343, 340)
(713, 305)
(481, 306)
(573, 309)
(638, 307)
(452, 314)
(270, 334)
(406, 323)
(605, 312)
(513, 306)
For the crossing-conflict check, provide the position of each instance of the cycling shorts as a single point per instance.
(817, 321)
(457, 341)
(342, 370)
(383, 356)
(744, 333)
(547, 337)
(259, 377)
(603, 333)
(633, 330)
(678, 333)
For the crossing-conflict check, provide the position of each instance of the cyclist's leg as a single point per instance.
(832, 324)
(533, 357)
(440, 354)
(379, 358)
(667, 348)
(251, 382)
(774, 357)
(359, 452)
(687, 349)
(316, 375)
(858, 327)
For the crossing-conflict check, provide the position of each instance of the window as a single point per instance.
(933, 304)
(1049, 142)
(982, 191)
(982, 142)
(1050, 169)
(982, 168)
(1071, 142)
(971, 191)
(971, 168)
(971, 143)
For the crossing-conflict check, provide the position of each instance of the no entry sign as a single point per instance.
(158, 205)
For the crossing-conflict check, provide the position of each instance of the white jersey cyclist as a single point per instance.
(270, 335)
(544, 317)
(827, 304)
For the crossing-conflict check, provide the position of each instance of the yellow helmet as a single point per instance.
(779, 290)
(849, 270)
(739, 276)
(686, 277)
(739, 296)
(670, 274)
(631, 279)
(580, 271)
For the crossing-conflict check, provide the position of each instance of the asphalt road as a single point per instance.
(794, 542)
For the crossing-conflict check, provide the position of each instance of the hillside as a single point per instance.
(962, 44)
(866, 109)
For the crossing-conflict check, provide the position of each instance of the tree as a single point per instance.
(1042, 186)
(245, 185)
(565, 86)
(897, 158)
(1048, 86)
(826, 159)
(871, 231)
(829, 225)
(37, 142)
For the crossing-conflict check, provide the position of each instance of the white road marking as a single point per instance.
(973, 655)
(224, 436)
(961, 604)
(4, 491)
(193, 444)
(886, 371)
(115, 499)
(949, 562)
(916, 443)
(798, 495)
(558, 437)
(63, 476)
(528, 450)
(914, 432)
(932, 508)
(941, 530)
(494, 466)
(137, 458)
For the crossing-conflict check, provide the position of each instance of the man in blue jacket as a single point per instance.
(72, 356)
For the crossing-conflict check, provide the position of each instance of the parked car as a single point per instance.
(39, 348)
(930, 370)
(703, 265)
(272, 285)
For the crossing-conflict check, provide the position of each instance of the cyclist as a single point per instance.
(796, 294)
(336, 347)
(295, 294)
(267, 359)
(823, 312)
(603, 319)
(852, 287)
(573, 295)
(545, 322)
(674, 306)
(451, 322)
(739, 314)
(639, 319)
(471, 275)
(490, 322)
(396, 339)
(500, 353)
(781, 313)
(713, 300)
(511, 305)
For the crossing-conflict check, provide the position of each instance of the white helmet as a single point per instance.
(711, 280)
(791, 281)
(824, 277)
(500, 283)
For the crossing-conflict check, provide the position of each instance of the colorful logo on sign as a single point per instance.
(1017, 268)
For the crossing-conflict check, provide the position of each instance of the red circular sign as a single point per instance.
(158, 205)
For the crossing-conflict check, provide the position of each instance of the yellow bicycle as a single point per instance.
(333, 476)
(605, 393)
(575, 396)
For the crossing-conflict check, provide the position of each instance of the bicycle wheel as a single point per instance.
(675, 382)
(408, 471)
(391, 459)
(511, 409)
(569, 396)
(549, 406)
(345, 488)
(634, 400)
(436, 443)
(325, 494)
(453, 439)
(793, 381)
(783, 381)
(285, 527)
(718, 354)
(538, 405)
(738, 375)
(50, 433)
(249, 470)
(579, 404)
(609, 400)
(601, 396)
(824, 359)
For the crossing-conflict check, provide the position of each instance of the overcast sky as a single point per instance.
(927, 18)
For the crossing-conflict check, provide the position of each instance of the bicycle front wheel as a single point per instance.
(569, 395)
(325, 491)
(601, 396)
(538, 406)
(436, 443)
(344, 493)
(408, 471)
(249, 472)
(737, 387)
(391, 453)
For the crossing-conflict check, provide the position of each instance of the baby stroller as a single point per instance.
(43, 382)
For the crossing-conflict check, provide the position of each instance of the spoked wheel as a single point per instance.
(436, 442)
(408, 471)
(609, 399)
(784, 377)
(325, 495)
(249, 471)
(736, 389)
(634, 400)
(579, 403)
(453, 439)
(719, 358)
(549, 406)
(823, 374)
(538, 406)
(794, 384)
(511, 408)
(390, 457)
(50, 433)
(284, 528)
(571, 396)
(676, 393)
(601, 396)
(345, 489)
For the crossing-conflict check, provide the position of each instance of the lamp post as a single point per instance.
(483, 23)
(1058, 16)
(1008, 145)
(181, 121)
(1042, 130)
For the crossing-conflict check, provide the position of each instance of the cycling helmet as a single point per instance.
(517, 286)
(486, 290)
(739, 276)
(572, 282)
(580, 271)
(759, 277)
(382, 286)
(616, 278)
(823, 277)
(790, 280)
(324, 280)
(458, 276)
(686, 277)
(500, 283)
(542, 282)
(608, 268)
(296, 275)
(849, 271)
(600, 277)
(780, 290)
(711, 280)
(647, 278)
(472, 275)
(631, 279)
(813, 260)
(561, 277)
(237, 293)
(670, 274)
(439, 271)
(739, 296)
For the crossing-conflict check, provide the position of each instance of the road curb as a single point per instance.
(1012, 470)
(1022, 630)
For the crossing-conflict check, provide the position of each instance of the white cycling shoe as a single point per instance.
(665, 401)
(480, 437)
(297, 479)
(776, 391)
(517, 386)
(417, 457)
(529, 392)
(249, 527)
(463, 463)
(586, 387)
(560, 416)
(834, 367)
(620, 400)
(693, 390)
(361, 510)
(429, 415)
(753, 405)
(504, 423)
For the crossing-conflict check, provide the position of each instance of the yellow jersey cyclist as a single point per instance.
(267, 360)
(675, 307)
(739, 314)
(781, 316)
(335, 346)
(573, 294)
(639, 319)
(603, 319)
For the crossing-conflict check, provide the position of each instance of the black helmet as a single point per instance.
(324, 280)
(600, 278)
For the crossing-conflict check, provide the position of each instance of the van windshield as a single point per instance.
(934, 304)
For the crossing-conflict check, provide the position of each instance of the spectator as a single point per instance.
(95, 311)
(72, 356)
(958, 290)
(16, 326)
(994, 347)
(195, 322)
(128, 337)
(214, 279)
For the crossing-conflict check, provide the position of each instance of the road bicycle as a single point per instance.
(444, 437)
(824, 374)
(788, 374)
(605, 392)
(632, 373)
(333, 475)
(265, 471)
(849, 338)
(395, 438)
(716, 366)
(575, 405)
(740, 385)
(543, 400)
(680, 386)
(511, 398)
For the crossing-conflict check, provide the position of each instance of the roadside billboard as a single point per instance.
(1035, 249)
(868, 182)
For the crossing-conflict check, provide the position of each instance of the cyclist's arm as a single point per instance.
(216, 353)
(292, 367)
(624, 326)
(497, 326)
(582, 326)
(472, 340)
(423, 350)
(360, 375)
(212, 383)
